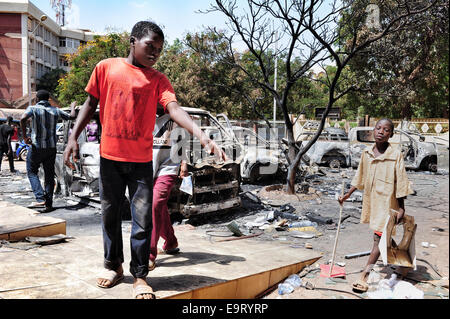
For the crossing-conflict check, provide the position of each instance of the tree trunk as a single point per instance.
(292, 171)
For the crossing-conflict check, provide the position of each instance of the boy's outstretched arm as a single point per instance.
(86, 113)
(182, 118)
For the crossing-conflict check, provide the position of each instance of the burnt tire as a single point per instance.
(429, 164)
(334, 163)
(254, 175)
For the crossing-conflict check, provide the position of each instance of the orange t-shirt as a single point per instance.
(128, 96)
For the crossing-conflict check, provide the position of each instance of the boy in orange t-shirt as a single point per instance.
(128, 91)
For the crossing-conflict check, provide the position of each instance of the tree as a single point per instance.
(194, 75)
(49, 81)
(307, 32)
(83, 62)
(406, 73)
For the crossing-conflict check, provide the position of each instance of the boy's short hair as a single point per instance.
(142, 28)
(391, 124)
(42, 95)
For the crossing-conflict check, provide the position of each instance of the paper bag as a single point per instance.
(186, 185)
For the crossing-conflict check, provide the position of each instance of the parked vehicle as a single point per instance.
(262, 160)
(215, 186)
(331, 148)
(335, 149)
(418, 155)
(22, 149)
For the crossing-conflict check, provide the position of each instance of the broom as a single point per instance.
(337, 232)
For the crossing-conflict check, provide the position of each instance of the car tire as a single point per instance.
(254, 176)
(334, 163)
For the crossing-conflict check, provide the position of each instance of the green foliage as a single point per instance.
(406, 73)
(49, 81)
(71, 88)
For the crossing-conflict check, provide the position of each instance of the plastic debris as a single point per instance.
(337, 271)
(284, 289)
(289, 285)
(395, 289)
(302, 223)
(294, 280)
(355, 255)
(186, 185)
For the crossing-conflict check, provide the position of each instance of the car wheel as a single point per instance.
(254, 175)
(334, 163)
(433, 167)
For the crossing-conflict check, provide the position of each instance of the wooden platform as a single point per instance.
(204, 268)
(17, 222)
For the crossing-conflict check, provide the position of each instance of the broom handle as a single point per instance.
(337, 231)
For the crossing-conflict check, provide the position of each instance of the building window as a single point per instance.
(69, 42)
(62, 42)
(47, 55)
(63, 61)
(30, 24)
(54, 58)
(40, 70)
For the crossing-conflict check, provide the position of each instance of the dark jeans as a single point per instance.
(46, 157)
(114, 178)
(4, 150)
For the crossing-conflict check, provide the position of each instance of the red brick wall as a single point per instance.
(10, 57)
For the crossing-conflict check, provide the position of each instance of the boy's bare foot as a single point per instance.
(141, 290)
(108, 278)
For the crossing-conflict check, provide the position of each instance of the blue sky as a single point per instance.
(176, 17)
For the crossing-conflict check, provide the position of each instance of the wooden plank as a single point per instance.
(18, 222)
(42, 231)
(247, 287)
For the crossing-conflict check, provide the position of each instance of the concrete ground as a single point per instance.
(429, 208)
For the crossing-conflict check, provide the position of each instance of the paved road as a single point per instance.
(429, 207)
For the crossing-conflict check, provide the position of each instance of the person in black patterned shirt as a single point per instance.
(43, 146)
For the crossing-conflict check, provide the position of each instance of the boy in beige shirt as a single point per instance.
(382, 175)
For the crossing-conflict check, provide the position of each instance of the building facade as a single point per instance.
(30, 47)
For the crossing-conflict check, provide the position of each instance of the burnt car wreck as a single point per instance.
(215, 185)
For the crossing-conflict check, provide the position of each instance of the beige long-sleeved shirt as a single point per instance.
(383, 180)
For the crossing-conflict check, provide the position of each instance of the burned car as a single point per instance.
(335, 149)
(215, 185)
(418, 155)
(262, 159)
(331, 148)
